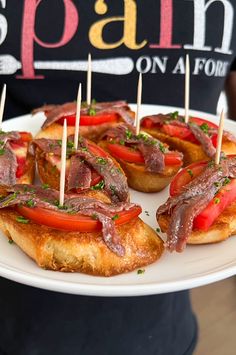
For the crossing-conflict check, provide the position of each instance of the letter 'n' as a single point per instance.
(200, 9)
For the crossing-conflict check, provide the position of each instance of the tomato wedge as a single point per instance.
(220, 202)
(177, 131)
(134, 156)
(185, 176)
(86, 120)
(65, 221)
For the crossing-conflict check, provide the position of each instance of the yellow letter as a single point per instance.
(130, 22)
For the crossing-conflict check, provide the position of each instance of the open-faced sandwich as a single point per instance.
(147, 163)
(195, 139)
(202, 204)
(16, 161)
(88, 168)
(85, 234)
(94, 119)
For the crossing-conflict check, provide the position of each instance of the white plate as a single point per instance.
(198, 265)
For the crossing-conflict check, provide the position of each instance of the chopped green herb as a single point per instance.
(174, 115)
(71, 212)
(115, 217)
(190, 172)
(101, 161)
(217, 184)
(10, 241)
(70, 144)
(30, 203)
(45, 186)
(22, 219)
(128, 134)
(2, 151)
(211, 164)
(92, 112)
(162, 148)
(84, 149)
(205, 128)
(1, 142)
(59, 142)
(94, 216)
(98, 186)
(226, 181)
(122, 142)
(158, 230)
(94, 101)
(217, 200)
(140, 271)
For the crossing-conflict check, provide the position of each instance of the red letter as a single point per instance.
(166, 26)
(29, 37)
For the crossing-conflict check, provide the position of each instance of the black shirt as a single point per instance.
(152, 37)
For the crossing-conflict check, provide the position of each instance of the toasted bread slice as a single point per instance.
(192, 152)
(141, 180)
(94, 133)
(83, 252)
(223, 227)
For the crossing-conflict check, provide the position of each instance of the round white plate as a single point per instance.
(196, 266)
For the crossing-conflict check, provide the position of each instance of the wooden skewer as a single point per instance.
(89, 80)
(77, 121)
(187, 89)
(2, 104)
(63, 163)
(219, 138)
(139, 100)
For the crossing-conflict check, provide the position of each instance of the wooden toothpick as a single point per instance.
(139, 100)
(2, 104)
(219, 138)
(187, 89)
(77, 121)
(63, 163)
(89, 80)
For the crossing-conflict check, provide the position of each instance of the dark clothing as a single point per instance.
(38, 322)
(154, 36)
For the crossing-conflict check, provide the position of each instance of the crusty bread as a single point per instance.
(192, 152)
(141, 180)
(54, 131)
(83, 252)
(223, 227)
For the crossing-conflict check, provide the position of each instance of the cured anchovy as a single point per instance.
(49, 199)
(151, 148)
(195, 196)
(204, 139)
(56, 112)
(115, 182)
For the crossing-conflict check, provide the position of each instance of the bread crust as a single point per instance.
(141, 180)
(94, 133)
(223, 227)
(192, 152)
(83, 252)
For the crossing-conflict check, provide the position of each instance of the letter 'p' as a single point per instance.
(29, 37)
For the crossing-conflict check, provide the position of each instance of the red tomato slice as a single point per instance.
(179, 132)
(86, 120)
(64, 221)
(134, 156)
(26, 136)
(148, 123)
(220, 202)
(185, 176)
(20, 166)
(200, 121)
